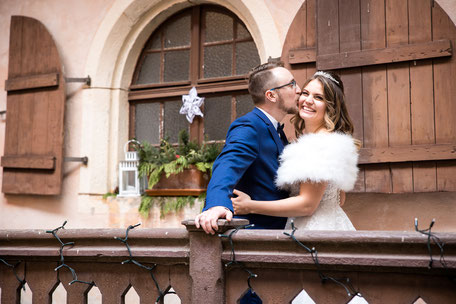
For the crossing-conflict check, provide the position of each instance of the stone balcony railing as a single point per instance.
(384, 267)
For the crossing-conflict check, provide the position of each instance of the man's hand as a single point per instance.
(208, 219)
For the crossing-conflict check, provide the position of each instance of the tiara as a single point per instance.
(324, 74)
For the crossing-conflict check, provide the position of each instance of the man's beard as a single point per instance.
(284, 108)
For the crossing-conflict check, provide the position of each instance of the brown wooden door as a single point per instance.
(395, 59)
(32, 161)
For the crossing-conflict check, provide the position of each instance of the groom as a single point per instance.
(249, 159)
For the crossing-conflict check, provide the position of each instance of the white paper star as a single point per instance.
(191, 105)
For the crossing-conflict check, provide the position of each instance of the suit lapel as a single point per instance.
(272, 130)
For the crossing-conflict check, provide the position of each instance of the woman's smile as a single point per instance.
(307, 109)
(312, 105)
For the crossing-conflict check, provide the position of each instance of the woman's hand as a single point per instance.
(241, 202)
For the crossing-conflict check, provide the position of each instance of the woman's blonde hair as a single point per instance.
(336, 116)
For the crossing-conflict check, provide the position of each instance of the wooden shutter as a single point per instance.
(32, 162)
(395, 59)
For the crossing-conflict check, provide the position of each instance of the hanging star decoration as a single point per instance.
(191, 105)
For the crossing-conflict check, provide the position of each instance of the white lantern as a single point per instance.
(130, 184)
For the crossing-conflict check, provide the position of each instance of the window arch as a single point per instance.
(207, 47)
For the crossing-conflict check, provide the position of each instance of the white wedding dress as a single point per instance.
(320, 157)
(328, 216)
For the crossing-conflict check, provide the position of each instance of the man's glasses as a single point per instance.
(292, 83)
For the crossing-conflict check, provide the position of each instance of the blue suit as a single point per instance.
(248, 162)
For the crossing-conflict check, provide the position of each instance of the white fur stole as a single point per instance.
(318, 157)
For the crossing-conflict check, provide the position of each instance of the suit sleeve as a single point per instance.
(239, 152)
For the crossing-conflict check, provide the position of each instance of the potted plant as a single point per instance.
(176, 175)
(181, 170)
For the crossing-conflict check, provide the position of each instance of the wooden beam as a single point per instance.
(302, 56)
(407, 154)
(32, 82)
(400, 53)
(202, 88)
(29, 162)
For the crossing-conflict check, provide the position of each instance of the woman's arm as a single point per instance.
(341, 197)
(304, 204)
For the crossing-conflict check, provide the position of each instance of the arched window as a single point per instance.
(206, 47)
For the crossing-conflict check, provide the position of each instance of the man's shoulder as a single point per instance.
(247, 128)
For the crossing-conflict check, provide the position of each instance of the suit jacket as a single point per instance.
(248, 162)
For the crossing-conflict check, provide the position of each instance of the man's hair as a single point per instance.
(261, 79)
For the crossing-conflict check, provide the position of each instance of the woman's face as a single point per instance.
(312, 105)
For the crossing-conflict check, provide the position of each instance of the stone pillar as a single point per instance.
(206, 268)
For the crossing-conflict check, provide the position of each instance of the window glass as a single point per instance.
(246, 56)
(177, 65)
(155, 42)
(147, 122)
(242, 32)
(173, 121)
(219, 27)
(244, 104)
(218, 60)
(150, 69)
(177, 32)
(217, 117)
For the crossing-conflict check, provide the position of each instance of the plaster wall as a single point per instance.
(72, 24)
(103, 39)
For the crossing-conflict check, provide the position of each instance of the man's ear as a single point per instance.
(271, 96)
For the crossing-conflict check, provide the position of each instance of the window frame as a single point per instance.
(231, 85)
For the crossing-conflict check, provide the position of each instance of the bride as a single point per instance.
(319, 166)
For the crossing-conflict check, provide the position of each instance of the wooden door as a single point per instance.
(395, 59)
(32, 161)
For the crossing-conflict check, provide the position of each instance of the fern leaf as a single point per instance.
(146, 205)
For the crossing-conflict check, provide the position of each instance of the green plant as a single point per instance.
(167, 204)
(113, 193)
(109, 194)
(169, 159)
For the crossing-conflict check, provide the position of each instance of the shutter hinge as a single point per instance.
(83, 160)
(87, 80)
